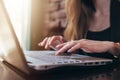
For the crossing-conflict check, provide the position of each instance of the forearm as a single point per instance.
(115, 50)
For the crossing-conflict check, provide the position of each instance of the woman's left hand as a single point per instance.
(89, 46)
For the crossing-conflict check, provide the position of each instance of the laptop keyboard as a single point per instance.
(50, 57)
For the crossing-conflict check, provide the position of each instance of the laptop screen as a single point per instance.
(11, 50)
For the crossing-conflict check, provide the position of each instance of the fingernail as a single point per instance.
(39, 44)
(46, 47)
(69, 50)
(57, 53)
(57, 46)
(53, 47)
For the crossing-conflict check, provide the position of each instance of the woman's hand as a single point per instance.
(89, 46)
(52, 42)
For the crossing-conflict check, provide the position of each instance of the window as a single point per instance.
(19, 12)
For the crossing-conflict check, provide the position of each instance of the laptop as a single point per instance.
(13, 55)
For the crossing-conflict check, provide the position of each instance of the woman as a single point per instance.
(93, 26)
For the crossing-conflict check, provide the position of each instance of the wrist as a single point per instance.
(114, 49)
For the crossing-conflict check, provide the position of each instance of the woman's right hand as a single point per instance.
(52, 42)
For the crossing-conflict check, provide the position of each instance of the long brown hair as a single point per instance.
(79, 13)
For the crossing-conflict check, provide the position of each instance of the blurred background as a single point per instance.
(48, 18)
(33, 20)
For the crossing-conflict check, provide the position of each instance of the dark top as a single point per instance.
(115, 21)
(113, 32)
(104, 35)
(110, 34)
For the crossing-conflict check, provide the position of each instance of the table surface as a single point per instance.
(109, 72)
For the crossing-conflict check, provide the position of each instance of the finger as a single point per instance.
(60, 46)
(52, 47)
(75, 47)
(62, 39)
(82, 46)
(47, 43)
(65, 48)
(43, 42)
(54, 38)
(54, 41)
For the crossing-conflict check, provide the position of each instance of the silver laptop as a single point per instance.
(13, 55)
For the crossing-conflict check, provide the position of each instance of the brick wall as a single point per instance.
(55, 18)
